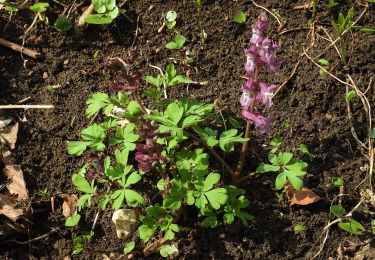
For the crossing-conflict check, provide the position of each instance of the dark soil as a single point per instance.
(313, 105)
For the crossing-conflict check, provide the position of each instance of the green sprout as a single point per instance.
(240, 17)
(178, 43)
(106, 12)
(62, 24)
(343, 24)
(170, 18)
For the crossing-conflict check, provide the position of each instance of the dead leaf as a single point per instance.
(70, 204)
(9, 136)
(302, 197)
(14, 173)
(7, 209)
(5, 122)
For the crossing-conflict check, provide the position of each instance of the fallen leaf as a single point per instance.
(302, 197)
(9, 136)
(5, 122)
(7, 208)
(14, 173)
(69, 205)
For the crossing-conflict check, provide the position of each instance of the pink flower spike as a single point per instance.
(262, 124)
(265, 95)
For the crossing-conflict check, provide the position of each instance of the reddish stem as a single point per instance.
(245, 146)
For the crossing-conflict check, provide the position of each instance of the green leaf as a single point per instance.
(262, 168)
(297, 166)
(178, 80)
(77, 147)
(191, 120)
(170, 71)
(234, 122)
(146, 232)
(305, 150)
(284, 158)
(337, 182)
(133, 197)
(62, 24)
(299, 228)
(166, 250)
(122, 157)
(280, 180)
(178, 43)
(133, 109)
(274, 159)
(210, 181)
(324, 62)
(350, 95)
(372, 136)
(217, 197)
(10, 8)
(72, 220)
(98, 19)
(363, 29)
(133, 179)
(171, 16)
(40, 7)
(210, 222)
(98, 101)
(82, 184)
(336, 211)
(240, 17)
(352, 227)
(175, 112)
(129, 247)
(160, 184)
(295, 181)
(118, 197)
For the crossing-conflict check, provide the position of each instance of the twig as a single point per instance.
(290, 77)
(81, 21)
(31, 240)
(19, 48)
(281, 24)
(324, 70)
(26, 106)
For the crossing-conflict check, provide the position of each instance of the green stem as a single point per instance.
(343, 51)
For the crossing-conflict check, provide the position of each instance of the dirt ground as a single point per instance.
(313, 105)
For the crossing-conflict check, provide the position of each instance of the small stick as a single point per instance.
(24, 100)
(31, 240)
(26, 106)
(81, 21)
(19, 48)
(290, 77)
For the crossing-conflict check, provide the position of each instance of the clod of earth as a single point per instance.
(126, 221)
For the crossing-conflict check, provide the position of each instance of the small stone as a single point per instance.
(125, 221)
(45, 75)
(66, 62)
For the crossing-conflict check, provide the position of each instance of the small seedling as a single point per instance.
(350, 95)
(325, 64)
(79, 241)
(337, 182)
(289, 169)
(106, 12)
(62, 24)
(353, 227)
(178, 43)
(129, 247)
(72, 220)
(331, 4)
(39, 9)
(11, 10)
(165, 79)
(203, 34)
(298, 228)
(343, 24)
(303, 149)
(96, 54)
(240, 17)
(170, 18)
(276, 144)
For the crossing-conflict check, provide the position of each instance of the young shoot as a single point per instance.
(178, 43)
(106, 12)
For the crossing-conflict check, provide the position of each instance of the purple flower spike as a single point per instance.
(263, 124)
(264, 97)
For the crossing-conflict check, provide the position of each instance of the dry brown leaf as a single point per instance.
(14, 173)
(7, 208)
(69, 205)
(8, 136)
(302, 197)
